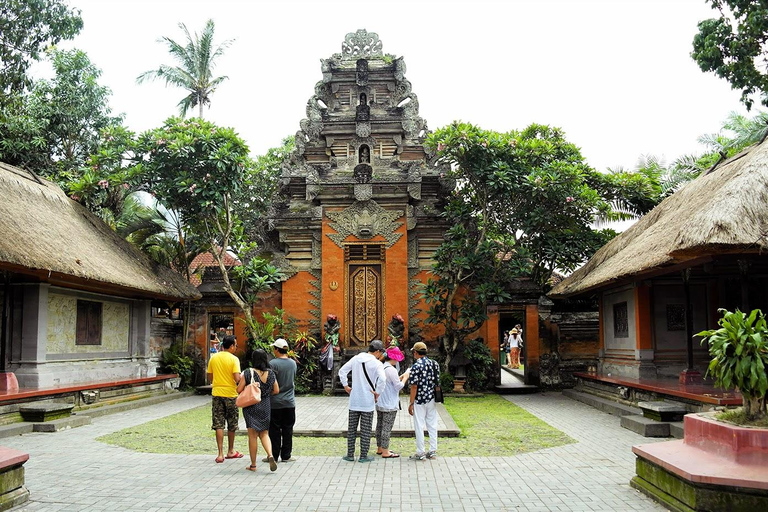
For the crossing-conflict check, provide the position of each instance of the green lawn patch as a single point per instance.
(490, 426)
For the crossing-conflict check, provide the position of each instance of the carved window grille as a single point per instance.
(675, 317)
(620, 320)
(364, 252)
(88, 327)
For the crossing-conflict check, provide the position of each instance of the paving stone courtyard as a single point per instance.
(71, 471)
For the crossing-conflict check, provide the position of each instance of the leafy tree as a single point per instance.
(733, 46)
(197, 170)
(523, 206)
(195, 70)
(26, 28)
(56, 127)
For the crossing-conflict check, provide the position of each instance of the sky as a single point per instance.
(615, 75)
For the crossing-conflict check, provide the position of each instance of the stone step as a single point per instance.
(661, 410)
(646, 427)
(45, 411)
(61, 424)
(102, 410)
(16, 429)
(603, 404)
(676, 429)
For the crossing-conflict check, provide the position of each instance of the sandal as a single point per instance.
(251, 468)
(236, 455)
(392, 455)
(272, 463)
(219, 460)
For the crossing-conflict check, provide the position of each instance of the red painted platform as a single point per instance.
(7, 396)
(714, 453)
(10, 458)
(704, 392)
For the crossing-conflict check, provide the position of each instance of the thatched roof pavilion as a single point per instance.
(724, 211)
(46, 235)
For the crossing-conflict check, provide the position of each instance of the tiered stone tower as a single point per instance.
(363, 196)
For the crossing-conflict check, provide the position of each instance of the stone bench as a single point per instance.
(12, 490)
(661, 410)
(41, 412)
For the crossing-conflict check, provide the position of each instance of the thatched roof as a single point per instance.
(45, 234)
(722, 211)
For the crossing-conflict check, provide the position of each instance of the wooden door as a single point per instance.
(365, 304)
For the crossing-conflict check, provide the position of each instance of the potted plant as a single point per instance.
(739, 350)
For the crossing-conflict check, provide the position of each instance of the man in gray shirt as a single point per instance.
(284, 403)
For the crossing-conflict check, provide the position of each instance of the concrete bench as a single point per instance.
(41, 412)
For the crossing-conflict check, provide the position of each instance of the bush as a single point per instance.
(739, 350)
(446, 382)
(483, 368)
(175, 362)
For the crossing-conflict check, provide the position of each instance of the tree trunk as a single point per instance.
(754, 408)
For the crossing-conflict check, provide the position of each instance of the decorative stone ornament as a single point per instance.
(361, 44)
(365, 219)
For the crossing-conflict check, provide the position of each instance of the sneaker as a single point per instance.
(431, 455)
(292, 459)
(265, 459)
(417, 456)
(272, 464)
(366, 459)
(348, 458)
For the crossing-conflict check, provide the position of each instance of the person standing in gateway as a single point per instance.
(224, 373)
(284, 403)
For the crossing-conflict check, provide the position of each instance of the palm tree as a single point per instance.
(194, 72)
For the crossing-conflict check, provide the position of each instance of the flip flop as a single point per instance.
(219, 460)
(236, 455)
(392, 455)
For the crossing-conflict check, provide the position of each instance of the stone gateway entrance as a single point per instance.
(360, 222)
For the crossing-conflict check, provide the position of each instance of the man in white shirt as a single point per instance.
(369, 380)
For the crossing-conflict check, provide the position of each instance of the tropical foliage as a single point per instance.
(194, 72)
(27, 27)
(55, 127)
(733, 46)
(523, 206)
(739, 350)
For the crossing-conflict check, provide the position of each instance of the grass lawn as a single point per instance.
(490, 426)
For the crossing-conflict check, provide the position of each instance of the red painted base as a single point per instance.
(690, 377)
(8, 382)
(714, 453)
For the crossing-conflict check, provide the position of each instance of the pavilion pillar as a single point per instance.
(532, 343)
(689, 375)
(644, 353)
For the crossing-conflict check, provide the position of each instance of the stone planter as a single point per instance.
(717, 466)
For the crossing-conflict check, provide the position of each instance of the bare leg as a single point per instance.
(253, 447)
(266, 442)
(230, 442)
(220, 442)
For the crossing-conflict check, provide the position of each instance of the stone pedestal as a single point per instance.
(716, 467)
(12, 490)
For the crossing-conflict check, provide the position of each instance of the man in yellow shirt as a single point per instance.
(224, 372)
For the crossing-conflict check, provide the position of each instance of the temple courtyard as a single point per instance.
(71, 471)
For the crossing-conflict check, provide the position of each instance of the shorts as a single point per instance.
(224, 410)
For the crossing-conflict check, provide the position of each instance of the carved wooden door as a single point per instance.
(365, 304)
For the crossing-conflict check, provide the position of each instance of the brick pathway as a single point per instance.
(70, 471)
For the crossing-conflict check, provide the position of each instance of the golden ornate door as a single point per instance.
(365, 304)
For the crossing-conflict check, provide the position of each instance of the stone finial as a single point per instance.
(361, 44)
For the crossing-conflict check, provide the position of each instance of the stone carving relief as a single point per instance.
(363, 191)
(361, 44)
(313, 124)
(365, 219)
(413, 252)
(317, 251)
(361, 75)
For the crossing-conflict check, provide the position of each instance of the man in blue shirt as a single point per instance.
(423, 379)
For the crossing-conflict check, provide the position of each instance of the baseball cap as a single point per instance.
(376, 345)
(280, 343)
(419, 347)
